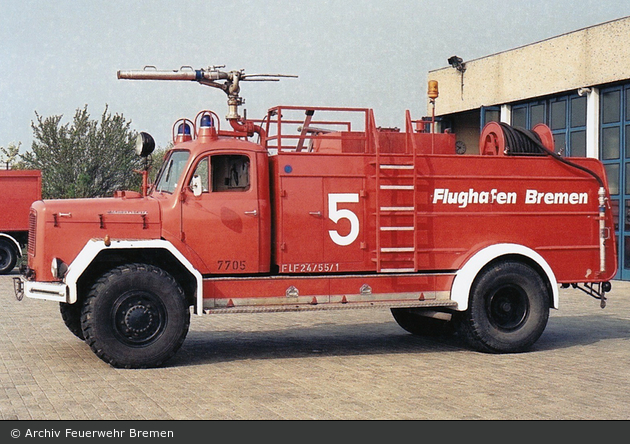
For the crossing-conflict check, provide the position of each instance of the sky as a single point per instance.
(60, 56)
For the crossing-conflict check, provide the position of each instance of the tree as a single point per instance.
(9, 155)
(87, 158)
(156, 160)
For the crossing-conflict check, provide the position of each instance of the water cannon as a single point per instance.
(226, 81)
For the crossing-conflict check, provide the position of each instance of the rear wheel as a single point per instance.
(508, 308)
(8, 257)
(135, 316)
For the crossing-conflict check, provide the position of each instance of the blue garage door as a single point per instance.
(615, 153)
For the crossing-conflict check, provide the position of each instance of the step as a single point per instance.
(332, 306)
(396, 228)
(396, 167)
(397, 249)
(397, 187)
(397, 270)
(396, 209)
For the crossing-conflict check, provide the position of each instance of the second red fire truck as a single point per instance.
(315, 208)
(18, 190)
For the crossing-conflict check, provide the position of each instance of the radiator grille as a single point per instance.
(32, 225)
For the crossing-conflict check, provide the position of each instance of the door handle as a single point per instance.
(315, 213)
(252, 213)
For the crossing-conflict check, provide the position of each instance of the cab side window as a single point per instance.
(230, 172)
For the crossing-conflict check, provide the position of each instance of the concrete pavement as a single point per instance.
(335, 365)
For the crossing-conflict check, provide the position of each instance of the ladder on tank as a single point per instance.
(396, 208)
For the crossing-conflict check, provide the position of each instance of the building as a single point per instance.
(577, 83)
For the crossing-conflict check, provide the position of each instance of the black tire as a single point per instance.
(412, 321)
(71, 315)
(8, 257)
(135, 316)
(508, 309)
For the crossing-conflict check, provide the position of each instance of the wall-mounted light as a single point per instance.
(457, 63)
(582, 91)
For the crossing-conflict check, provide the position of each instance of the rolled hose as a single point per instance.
(515, 137)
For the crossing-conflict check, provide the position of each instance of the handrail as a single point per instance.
(377, 151)
(279, 127)
(414, 150)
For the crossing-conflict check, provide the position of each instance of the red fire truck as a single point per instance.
(315, 208)
(18, 190)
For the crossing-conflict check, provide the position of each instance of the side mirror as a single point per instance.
(195, 185)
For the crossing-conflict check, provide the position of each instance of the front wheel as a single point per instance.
(508, 308)
(71, 315)
(135, 316)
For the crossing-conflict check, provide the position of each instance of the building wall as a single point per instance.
(466, 129)
(577, 83)
(587, 57)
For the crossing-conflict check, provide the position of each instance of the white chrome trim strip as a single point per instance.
(52, 291)
(95, 246)
(462, 284)
(16, 243)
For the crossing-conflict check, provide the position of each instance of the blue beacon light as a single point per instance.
(183, 129)
(206, 121)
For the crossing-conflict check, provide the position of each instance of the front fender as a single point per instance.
(93, 247)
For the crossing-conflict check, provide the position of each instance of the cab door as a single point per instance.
(221, 219)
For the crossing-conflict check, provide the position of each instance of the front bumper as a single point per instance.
(52, 291)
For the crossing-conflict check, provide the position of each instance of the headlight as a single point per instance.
(58, 268)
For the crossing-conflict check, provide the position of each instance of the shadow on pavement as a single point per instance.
(571, 331)
(376, 338)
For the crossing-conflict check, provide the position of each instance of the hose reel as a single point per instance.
(501, 139)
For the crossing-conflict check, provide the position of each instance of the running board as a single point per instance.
(330, 306)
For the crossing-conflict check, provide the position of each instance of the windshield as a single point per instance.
(171, 171)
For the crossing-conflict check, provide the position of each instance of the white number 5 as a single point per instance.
(336, 214)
